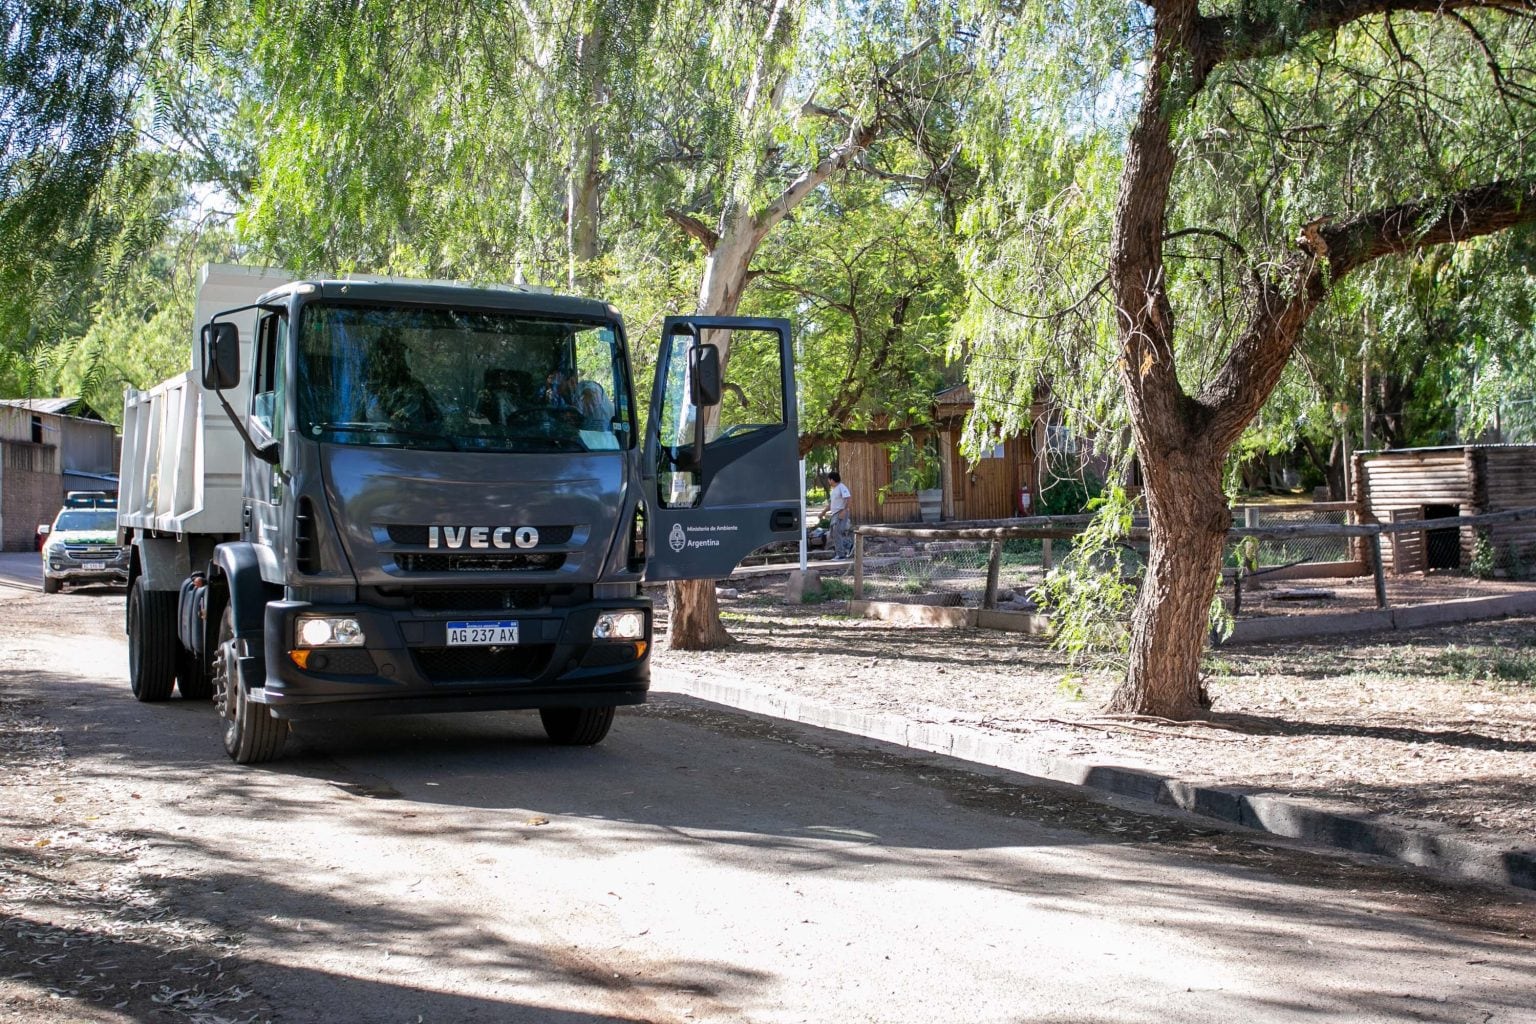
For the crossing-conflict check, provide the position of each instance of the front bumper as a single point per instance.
(406, 665)
(68, 568)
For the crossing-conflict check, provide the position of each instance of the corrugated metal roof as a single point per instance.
(54, 406)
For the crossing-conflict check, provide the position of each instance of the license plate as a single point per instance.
(94, 566)
(481, 634)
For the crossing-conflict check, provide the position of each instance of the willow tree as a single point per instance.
(1181, 186)
(79, 194)
(438, 140)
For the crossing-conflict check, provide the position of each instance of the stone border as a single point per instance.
(1291, 627)
(1278, 627)
(1418, 843)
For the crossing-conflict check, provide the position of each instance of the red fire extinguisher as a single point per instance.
(1025, 501)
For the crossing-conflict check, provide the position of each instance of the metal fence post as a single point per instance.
(858, 565)
(994, 568)
(1378, 571)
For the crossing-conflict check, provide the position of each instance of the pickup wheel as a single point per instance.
(192, 680)
(152, 642)
(251, 734)
(51, 585)
(576, 727)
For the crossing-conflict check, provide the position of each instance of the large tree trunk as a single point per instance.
(1189, 520)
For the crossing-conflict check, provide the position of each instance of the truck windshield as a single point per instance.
(460, 380)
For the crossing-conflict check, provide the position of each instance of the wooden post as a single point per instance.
(858, 565)
(1045, 554)
(994, 567)
(1381, 576)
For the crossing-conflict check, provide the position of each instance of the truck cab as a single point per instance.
(448, 500)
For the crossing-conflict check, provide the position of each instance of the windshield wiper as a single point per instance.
(390, 428)
(547, 443)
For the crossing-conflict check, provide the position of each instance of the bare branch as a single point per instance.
(859, 138)
(693, 228)
(1212, 232)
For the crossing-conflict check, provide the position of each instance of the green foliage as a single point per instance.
(914, 467)
(1482, 556)
(1068, 488)
(78, 199)
(1089, 594)
(830, 590)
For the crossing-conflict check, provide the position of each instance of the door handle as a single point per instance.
(784, 519)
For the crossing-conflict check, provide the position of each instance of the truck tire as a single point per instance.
(51, 585)
(152, 642)
(251, 734)
(576, 727)
(192, 680)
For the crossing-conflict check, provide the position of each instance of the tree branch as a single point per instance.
(1454, 217)
(693, 228)
(1328, 254)
(859, 137)
(1265, 30)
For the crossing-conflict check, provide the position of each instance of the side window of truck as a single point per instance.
(267, 382)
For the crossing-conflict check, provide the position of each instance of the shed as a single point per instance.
(1410, 484)
(988, 489)
(48, 446)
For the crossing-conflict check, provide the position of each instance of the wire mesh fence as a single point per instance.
(954, 571)
(1259, 553)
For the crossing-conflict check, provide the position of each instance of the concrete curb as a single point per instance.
(1421, 844)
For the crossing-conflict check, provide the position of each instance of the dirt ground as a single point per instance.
(1436, 724)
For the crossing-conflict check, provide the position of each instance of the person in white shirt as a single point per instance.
(838, 507)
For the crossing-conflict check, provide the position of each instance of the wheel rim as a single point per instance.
(226, 696)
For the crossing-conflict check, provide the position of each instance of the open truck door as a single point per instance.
(722, 446)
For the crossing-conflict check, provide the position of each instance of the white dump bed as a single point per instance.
(182, 457)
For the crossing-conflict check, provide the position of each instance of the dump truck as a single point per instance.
(377, 496)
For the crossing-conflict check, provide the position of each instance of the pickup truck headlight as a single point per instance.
(327, 631)
(628, 624)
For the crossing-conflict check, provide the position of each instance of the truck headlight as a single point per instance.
(628, 624)
(327, 631)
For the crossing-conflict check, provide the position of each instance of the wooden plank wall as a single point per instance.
(866, 468)
(1409, 480)
(987, 490)
(1505, 478)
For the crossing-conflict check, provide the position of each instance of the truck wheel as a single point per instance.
(251, 734)
(576, 727)
(152, 642)
(51, 585)
(192, 680)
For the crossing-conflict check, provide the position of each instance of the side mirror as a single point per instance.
(44, 529)
(704, 372)
(221, 355)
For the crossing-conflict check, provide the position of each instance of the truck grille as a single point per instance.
(478, 562)
(417, 535)
(464, 664)
(93, 552)
(469, 600)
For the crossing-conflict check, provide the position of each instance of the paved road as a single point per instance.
(21, 568)
(703, 866)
